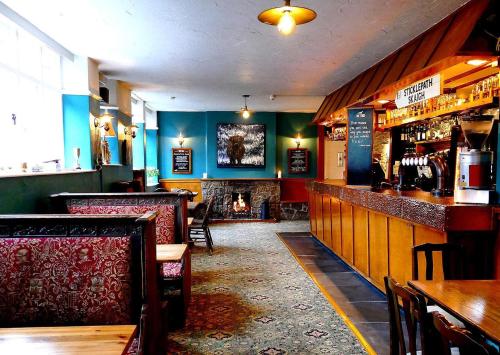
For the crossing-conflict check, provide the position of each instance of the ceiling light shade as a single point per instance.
(287, 17)
(476, 62)
(245, 113)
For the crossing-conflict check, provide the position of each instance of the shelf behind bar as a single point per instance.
(467, 106)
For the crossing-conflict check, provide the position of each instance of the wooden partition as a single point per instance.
(193, 185)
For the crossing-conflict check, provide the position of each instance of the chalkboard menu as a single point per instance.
(298, 160)
(181, 160)
(359, 146)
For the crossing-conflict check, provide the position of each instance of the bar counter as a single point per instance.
(420, 207)
(375, 231)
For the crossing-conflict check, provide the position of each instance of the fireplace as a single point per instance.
(241, 205)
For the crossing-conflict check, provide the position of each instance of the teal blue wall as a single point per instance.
(199, 130)
(138, 148)
(193, 126)
(287, 127)
(152, 150)
(76, 111)
(267, 118)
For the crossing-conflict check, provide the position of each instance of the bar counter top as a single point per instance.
(419, 207)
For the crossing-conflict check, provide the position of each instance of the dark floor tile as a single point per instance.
(345, 278)
(377, 334)
(362, 303)
(333, 267)
(355, 293)
(371, 311)
(295, 234)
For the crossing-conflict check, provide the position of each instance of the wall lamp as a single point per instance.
(298, 140)
(180, 139)
(105, 123)
(132, 130)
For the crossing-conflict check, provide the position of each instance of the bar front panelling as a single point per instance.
(400, 249)
(319, 216)
(327, 221)
(336, 226)
(360, 233)
(378, 248)
(347, 235)
(426, 235)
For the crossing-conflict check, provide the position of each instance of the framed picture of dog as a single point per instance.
(241, 145)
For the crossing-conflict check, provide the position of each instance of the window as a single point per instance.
(31, 125)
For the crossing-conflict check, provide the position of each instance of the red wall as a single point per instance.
(294, 189)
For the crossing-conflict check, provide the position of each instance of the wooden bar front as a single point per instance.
(374, 232)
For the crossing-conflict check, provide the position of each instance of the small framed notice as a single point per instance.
(181, 160)
(298, 160)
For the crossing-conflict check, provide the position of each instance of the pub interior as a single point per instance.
(259, 177)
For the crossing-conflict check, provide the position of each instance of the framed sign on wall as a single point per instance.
(181, 160)
(298, 161)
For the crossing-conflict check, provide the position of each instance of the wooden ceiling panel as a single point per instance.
(432, 51)
(458, 32)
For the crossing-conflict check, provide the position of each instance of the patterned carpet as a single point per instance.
(252, 297)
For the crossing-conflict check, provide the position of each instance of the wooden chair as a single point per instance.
(457, 337)
(452, 260)
(415, 317)
(450, 252)
(199, 230)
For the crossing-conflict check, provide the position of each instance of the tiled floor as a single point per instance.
(362, 303)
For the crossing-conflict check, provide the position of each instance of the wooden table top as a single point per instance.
(103, 340)
(170, 252)
(475, 302)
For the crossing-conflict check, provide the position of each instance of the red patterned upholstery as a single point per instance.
(172, 270)
(133, 348)
(165, 221)
(65, 280)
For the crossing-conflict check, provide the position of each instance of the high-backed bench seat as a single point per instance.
(77, 270)
(171, 220)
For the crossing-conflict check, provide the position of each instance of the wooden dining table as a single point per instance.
(475, 302)
(66, 340)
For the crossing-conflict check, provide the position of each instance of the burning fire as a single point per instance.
(239, 205)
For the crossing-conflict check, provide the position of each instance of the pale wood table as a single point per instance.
(102, 340)
(176, 253)
(475, 302)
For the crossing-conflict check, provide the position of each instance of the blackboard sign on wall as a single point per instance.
(359, 146)
(181, 160)
(298, 161)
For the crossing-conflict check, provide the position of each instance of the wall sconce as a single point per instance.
(180, 139)
(105, 123)
(298, 140)
(132, 130)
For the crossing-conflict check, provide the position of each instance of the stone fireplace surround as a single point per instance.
(259, 189)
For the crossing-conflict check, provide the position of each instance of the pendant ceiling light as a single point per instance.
(244, 110)
(287, 17)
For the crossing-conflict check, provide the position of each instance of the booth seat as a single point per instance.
(78, 270)
(171, 208)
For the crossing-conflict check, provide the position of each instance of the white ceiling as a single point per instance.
(207, 53)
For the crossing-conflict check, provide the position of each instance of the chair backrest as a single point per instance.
(451, 335)
(171, 222)
(208, 211)
(415, 312)
(452, 260)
